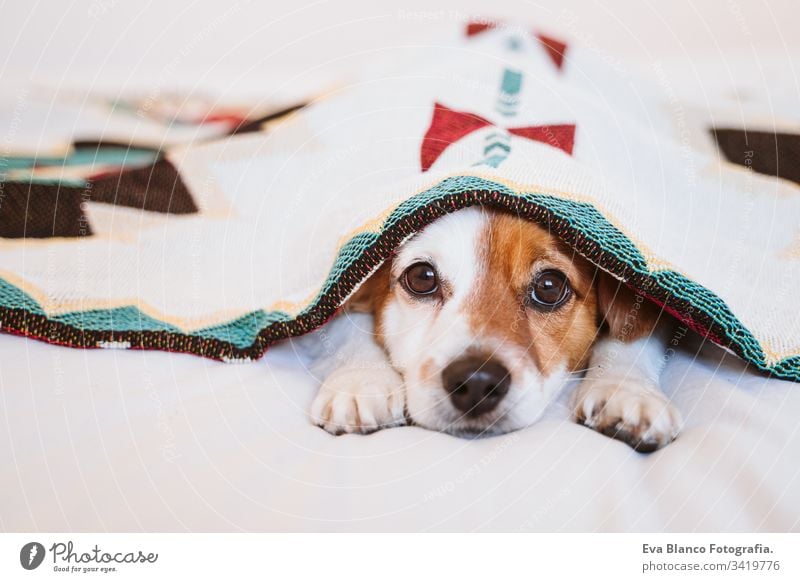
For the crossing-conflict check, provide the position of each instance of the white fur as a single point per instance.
(420, 331)
(361, 393)
(620, 393)
(367, 388)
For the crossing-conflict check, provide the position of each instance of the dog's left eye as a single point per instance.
(549, 290)
(420, 279)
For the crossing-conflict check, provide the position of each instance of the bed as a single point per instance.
(129, 440)
(147, 441)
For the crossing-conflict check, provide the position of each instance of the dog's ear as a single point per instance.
(627, 315)
(372, 292)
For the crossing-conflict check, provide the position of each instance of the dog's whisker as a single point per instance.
(492, 294)
(584, 370)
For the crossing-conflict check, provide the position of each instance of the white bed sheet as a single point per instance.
(146, 441)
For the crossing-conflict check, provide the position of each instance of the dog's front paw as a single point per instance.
(640, 416)
(353, 400)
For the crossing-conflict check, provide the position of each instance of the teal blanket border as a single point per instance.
(579, 224)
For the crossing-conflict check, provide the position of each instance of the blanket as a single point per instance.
(225, 246)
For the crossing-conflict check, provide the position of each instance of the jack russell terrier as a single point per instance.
(480, 320)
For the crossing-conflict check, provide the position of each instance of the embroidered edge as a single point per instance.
(579, 224)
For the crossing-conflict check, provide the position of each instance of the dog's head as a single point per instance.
(485, 315)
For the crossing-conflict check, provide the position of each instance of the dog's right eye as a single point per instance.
(420, 279)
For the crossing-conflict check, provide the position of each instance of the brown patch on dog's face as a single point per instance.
(481, 311)
(428, 370)
(516, 251)
(372, 296)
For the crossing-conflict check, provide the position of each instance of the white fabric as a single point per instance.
(294, 195)
(147, 441)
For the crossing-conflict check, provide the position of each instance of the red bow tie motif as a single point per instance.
(555, 48)
(448, 126)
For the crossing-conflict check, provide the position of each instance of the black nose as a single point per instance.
(476, 385)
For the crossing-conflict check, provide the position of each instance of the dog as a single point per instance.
(477, 322)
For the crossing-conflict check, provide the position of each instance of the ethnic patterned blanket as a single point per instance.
(222, 247)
